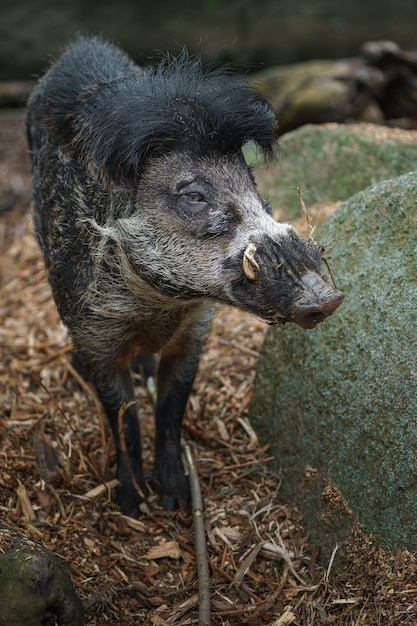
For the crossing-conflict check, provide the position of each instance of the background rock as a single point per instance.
(322, 91)
(338, 404)
(378, 86)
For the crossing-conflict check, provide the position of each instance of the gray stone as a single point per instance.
(339, 403)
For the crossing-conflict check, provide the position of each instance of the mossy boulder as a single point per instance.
(332, 162)
(338, 404)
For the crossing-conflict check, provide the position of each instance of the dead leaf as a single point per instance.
(169, 549)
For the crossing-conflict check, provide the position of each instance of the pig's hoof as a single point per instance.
(132, 490)
(173, 488)
(129, 498)
(179, 500)
(129, 501)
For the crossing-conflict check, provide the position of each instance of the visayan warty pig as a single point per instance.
(148, 215)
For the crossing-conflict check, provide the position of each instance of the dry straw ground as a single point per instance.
(56, 461)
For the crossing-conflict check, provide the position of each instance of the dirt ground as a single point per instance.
(57, 463)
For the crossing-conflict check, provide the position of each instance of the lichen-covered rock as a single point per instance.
(339, 404)
(35, 589)
(330, 163)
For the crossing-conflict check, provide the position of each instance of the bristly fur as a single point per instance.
(114, 114)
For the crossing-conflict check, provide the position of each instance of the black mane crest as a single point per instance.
(116, 114)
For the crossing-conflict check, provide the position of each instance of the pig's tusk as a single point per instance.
(250, 265)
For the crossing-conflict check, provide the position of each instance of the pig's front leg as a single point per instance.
(113, 393)
(177, 369)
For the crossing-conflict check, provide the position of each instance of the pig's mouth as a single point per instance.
(311, 320)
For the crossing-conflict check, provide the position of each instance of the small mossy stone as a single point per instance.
(338, 404)
(35, 588)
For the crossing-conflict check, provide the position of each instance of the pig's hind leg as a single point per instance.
(177, 369)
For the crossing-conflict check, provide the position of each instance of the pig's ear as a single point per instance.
(244, 116)
(116, 132)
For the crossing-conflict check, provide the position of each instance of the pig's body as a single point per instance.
(147, 215)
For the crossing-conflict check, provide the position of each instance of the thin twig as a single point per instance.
(122, 440)
(234, 344)
(204, 612)
(307, 214)
(216, 568)
(312, 229)
(329, 567)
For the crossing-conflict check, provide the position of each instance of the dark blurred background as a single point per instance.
(252, 33)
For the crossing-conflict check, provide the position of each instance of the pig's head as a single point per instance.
(194, 225)
(205, 232)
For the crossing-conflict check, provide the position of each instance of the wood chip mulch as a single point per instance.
(56, 468)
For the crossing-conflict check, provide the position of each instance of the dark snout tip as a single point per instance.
(315, 300)
(310, 314)
(318, 300)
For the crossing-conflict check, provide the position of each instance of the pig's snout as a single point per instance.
(318, 300)
(283, 283)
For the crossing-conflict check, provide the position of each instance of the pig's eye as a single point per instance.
(195, 200)
(195, 196)
(191, 197)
